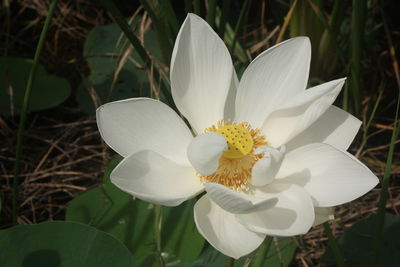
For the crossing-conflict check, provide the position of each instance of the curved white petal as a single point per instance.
(229, 110)
(273, 77)
(234, 202)
(156, 179)
(221, 229)
(292, 215)
(335, 127)
(136, 124)
(323, 215)
(205, 151)
(266, 168)
(201, 73)
(300, 112)
(331, 177)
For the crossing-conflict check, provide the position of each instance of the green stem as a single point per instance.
(378, 237)
(357, 33)
(239, 23)
(119, 18)
(262, 252)
(212, 6)
(24, 110)
(334, 246)
(158, 223)
(226, 8)
(229, 262)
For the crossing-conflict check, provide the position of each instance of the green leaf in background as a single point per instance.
(47, 92)
(132, 222)
(280, 254)
(109, 209)
(179, 235)
(115, 68)
(61, 244)
(356, 243)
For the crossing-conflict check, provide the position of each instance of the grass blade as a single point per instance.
(240, 22)
(165, 41)
(334, 246)
(286, 22)
(378, 237)
(170, 15)
(24, 109)
(262, 252)
(212, 6)
(110, 6)
(197, 6)
(225, 11)
(357, 29)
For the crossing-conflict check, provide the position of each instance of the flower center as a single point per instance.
(236, 163)
(240, 142)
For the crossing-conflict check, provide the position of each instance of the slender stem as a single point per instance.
(262, 252)
(357, 33)
(24, 110)
(334, 246)
(229, 262)
(239, 23)
(158, 223)
(226, 4)
(212, 6)
(197, 7)
(119, 18)
(378, 237)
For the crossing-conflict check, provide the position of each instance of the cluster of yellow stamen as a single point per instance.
(236, 163)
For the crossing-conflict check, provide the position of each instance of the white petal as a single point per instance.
(266, 168)
(201, 73)
(335, 127)
(229, 111)
(234, 202)
(323, 215)
(137, 124)
(273, 77)
(300, 112)
(292, 215)
(221, 229)
(331, 176)
(153, 178)
(205, 151)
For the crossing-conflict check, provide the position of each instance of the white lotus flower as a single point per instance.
(270, 154)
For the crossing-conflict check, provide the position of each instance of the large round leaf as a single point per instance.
(116, 70)
(48, 90)
(61, 244)
(356, 243)
(132, 222)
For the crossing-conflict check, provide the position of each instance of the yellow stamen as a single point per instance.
(235, 164)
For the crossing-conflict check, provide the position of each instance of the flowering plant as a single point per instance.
(270, 155)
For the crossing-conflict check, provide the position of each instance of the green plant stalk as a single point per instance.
(262, 252)
(163, 38)
(24, 110)
(110, 6)
(239, 24)
(229, 262)
(170, 15)
(226, 4)
(334, 246)
(158, 223)
(378, 237)
(357, 33)
(197, 7)
(189, 6)
(212, 6)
